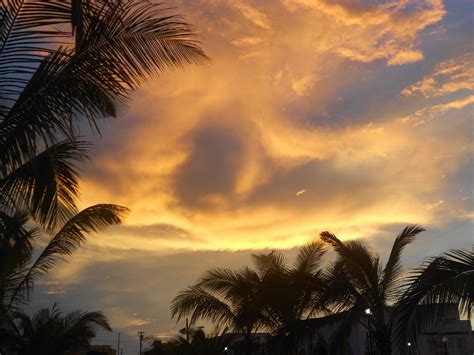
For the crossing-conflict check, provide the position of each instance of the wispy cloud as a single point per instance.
(427, 114)
(366, 32)
(448, 77)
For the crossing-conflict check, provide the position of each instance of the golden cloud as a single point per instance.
(220, 152)
(449, 76)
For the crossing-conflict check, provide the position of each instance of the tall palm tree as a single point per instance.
(359, 284)
(63, 63)
(225, 297)
(50, 332)
(437, 284)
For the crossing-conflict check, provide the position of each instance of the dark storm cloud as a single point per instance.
(210, 170)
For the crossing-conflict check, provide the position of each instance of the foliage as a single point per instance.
(274, 296)
(197, 342)
(290, 293)
(50, 332)
(357, 281)
(435, 285)
(64, 64)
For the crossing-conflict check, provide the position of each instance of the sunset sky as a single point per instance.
(343, 115)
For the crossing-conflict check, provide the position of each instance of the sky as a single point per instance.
(349, 116)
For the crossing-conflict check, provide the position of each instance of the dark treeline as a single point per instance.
(276, 297)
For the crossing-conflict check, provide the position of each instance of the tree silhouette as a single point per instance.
(197, 342)
(63, 64)
(53, 76)
(437, 284)
(358, 282)
(50, 332)
(290, 293)
(225, 297)
(19, 267)
(273, 297)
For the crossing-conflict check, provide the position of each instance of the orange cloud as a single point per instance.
(366, 32)
(449, 76)
(220, 151)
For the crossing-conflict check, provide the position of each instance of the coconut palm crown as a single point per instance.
(362, 287)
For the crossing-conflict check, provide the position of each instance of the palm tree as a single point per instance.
(291, 293)
(225, 297)
(63, 63)
(18, 265)
(437, 284)
(50, 332)
(359, 285)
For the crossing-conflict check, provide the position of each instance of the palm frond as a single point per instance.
(273, 262)
(200, 304)
(90, 220)
(16, 237)
(16, 249)
(48, 184)
(59, 332)
(140, 39)
(219, 280)
(70, 237)
(27, 29)
(361, 266)
(58, 95)
(431, 289)
(232, 285)
(309, 257)
(393, 266)
(121, 45)
(77, 321)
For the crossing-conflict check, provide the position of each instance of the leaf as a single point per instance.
(69, 238)
(48, 184)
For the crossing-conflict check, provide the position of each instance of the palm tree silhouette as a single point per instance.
(63, 64)
(359, 285)
(436, 285)
(290, 293)
(50, 332)
(18, 265)
(274, 296)
(225, 297)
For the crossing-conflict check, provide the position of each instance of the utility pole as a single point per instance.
(118, 344)
(141, 335)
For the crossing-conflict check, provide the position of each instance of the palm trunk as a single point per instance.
(384, 343)
(248, 342)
